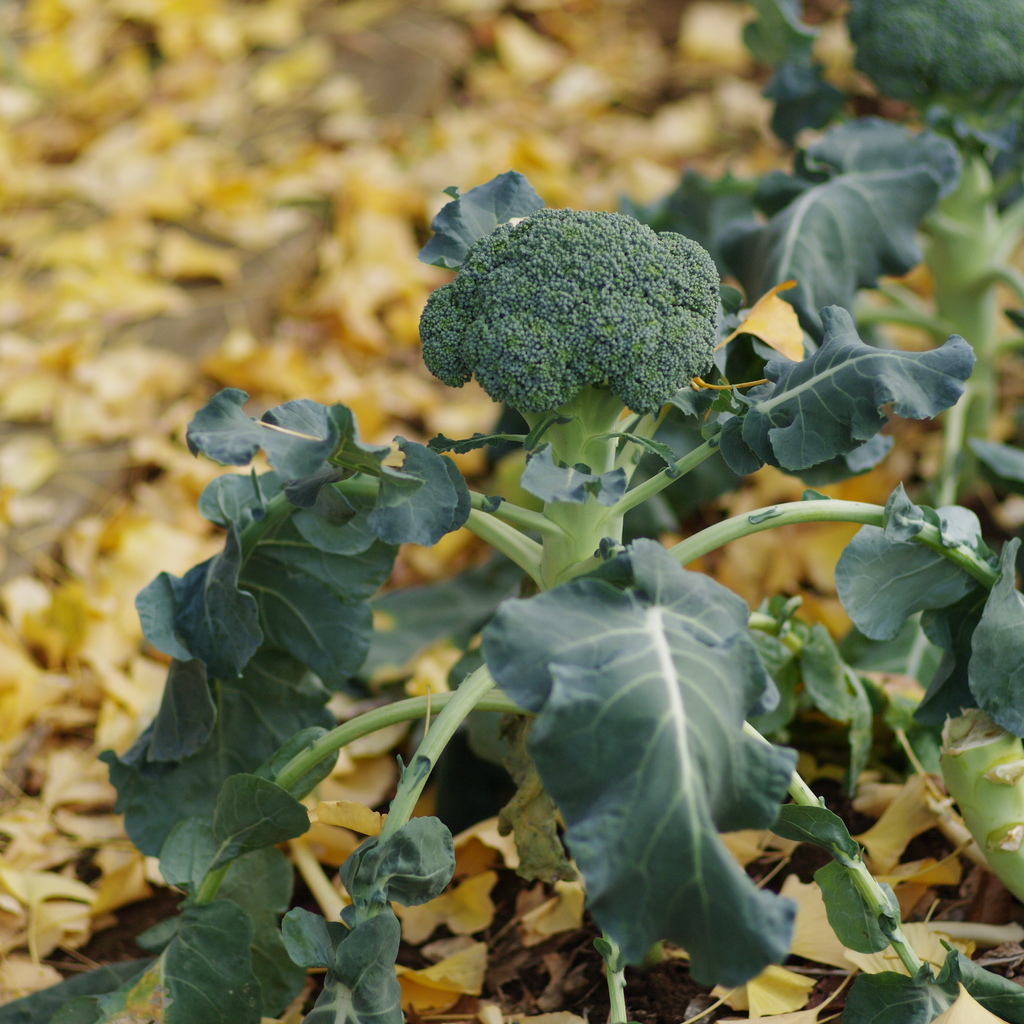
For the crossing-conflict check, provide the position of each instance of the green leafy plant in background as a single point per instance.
(866, 193)
(641, 679)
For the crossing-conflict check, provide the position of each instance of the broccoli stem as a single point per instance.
(983, 767)
(827, 510)
(580, 436)
(967, 249)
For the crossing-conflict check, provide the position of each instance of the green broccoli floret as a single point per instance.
(570, 298)
(931, 49)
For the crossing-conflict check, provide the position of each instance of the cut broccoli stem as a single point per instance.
(983, 767)
(967, 247)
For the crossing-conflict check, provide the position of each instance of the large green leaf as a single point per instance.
(832, 402)
(852, 921)
(891, 998)
(204, 614)
(782, 40)
(252, 813)
(261, 883)
(187, 714)
(301, 616)
(641, 697)
(847, 216)
(477, 213)
(274, 699)
(883, 576)
(204, 976)
(996, 668)
(311, 446)
(298, 437)
(42, 1005)
(411, 867)
(423, 501)
(361, 986)
(412, 618)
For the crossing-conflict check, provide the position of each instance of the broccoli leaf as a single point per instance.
(547, 480)
(361, 986)
(883, 576)
(891, 998)
(996, 668)
(832, 402)
(311, 446)
(477, 213)
(205, 973)
(699, 208)
(1005, 462)
(781, 40)
(204, 614)
(847, 216)
(274, 699)
(641, 697)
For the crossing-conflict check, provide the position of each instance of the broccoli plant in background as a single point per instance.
(642, 682)
(865, 193)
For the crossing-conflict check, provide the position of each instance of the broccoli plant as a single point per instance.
(639, 682)
(865, 194)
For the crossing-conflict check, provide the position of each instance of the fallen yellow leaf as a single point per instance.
(348, 814)
(906, 817)
(926, 941)
(438, 987)
(466, 909)
(775, 990)
(775, 322)
(562, 913)
(967, 1010)
(813, 937)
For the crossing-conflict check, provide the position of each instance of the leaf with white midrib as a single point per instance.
(641, 698)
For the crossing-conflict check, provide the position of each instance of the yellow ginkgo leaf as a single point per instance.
(906, 817)
(180, 256)
(775, 322)
(31, 888)
(562, 913)
(967, 1010)
(925, 940)
(466, 909)
(775, 990)
(439, 987)
(349, 814)
(813, 937)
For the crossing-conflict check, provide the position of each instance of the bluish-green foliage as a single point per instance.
(569, 298)
(924, 49)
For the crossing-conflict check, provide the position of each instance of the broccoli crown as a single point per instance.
(568, 298)
(919, 49)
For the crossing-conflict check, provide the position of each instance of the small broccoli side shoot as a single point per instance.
(567, 298)
(925, 50)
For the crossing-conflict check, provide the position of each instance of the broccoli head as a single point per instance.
(925, 49)
(569, 298)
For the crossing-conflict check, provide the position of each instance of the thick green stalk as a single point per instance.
(983, 766)
(372, 721)
(465, 699)
(583, 437)
(966, 248)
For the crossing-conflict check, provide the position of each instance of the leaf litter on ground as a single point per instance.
(246, 211)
